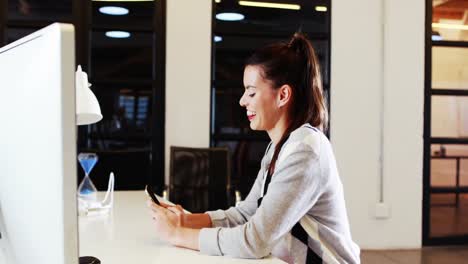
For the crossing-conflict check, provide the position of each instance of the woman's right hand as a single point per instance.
(177, 214)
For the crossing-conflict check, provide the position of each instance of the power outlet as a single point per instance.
(382, 211)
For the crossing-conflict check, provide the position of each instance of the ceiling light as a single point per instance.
(218, 38)
(123, 0)
(229, 16)
(270, 5)
(113, 10)
(450, 26)
(321, 8)
(217, 1)
(117, 34)
(436, 37)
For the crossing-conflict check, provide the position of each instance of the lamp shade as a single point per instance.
(87, 105)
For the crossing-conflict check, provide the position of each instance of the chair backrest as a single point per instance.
(199, 178)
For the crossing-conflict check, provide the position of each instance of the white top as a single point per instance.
(305, 188)
(125, 236)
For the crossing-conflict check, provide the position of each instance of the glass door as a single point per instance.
(445, 216)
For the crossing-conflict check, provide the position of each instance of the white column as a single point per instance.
(188, 64)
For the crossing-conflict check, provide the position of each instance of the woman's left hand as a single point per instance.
(165, 222)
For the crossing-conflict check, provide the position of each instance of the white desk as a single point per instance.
(126, 236)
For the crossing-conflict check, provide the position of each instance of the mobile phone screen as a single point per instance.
(150, 193)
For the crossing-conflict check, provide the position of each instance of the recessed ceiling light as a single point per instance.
(270, 5)
(217, 1)
(113, 10)
(436, 37)
(123, 0)
(321, 8)
(117, 34)
(218, 38)
(229, 16)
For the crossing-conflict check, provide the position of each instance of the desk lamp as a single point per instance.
(87, 106)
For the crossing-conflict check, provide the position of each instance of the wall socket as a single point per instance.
(382, 211)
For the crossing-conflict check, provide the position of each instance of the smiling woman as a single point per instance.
(295, 210)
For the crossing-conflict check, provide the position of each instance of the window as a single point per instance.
(122, 55)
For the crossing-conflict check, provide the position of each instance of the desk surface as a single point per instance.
(125, 236)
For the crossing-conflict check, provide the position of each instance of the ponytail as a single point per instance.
(294, 63)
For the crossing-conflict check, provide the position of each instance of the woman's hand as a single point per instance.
(178, 215)
(169, 222)
(166, 220)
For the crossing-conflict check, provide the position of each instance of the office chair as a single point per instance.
(200, 178)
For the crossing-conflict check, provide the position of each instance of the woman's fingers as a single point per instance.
(165, 205)
(172, 208)
(159, 209)
(175, 210)
(178, 213)
(180, 208)
(150, 204)
(153, 214)
(155, 208)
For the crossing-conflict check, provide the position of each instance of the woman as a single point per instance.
(295, 209)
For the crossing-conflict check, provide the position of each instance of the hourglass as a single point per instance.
(86, 190)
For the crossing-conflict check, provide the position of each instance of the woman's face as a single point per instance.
(259, 99)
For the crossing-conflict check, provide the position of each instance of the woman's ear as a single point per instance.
(284, 95)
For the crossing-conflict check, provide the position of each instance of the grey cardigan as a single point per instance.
(305, 188)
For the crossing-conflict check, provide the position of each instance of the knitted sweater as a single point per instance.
(305, 187)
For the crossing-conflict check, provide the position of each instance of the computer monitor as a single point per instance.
(38, 181)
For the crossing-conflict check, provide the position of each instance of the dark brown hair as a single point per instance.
(294, 63)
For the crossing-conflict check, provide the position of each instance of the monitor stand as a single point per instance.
(89, 260)
(6, 254)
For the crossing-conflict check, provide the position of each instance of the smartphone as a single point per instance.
(150, 193)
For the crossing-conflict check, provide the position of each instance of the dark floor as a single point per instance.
(427, 255)
(447, 219)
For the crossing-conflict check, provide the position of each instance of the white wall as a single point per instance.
(359, 50)
(188, 64)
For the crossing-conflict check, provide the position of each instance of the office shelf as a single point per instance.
(449, 92)
(240, 137)
(455, 44)
(121, 136)
(447, 140)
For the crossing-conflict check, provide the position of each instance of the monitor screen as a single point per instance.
(38, 216)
